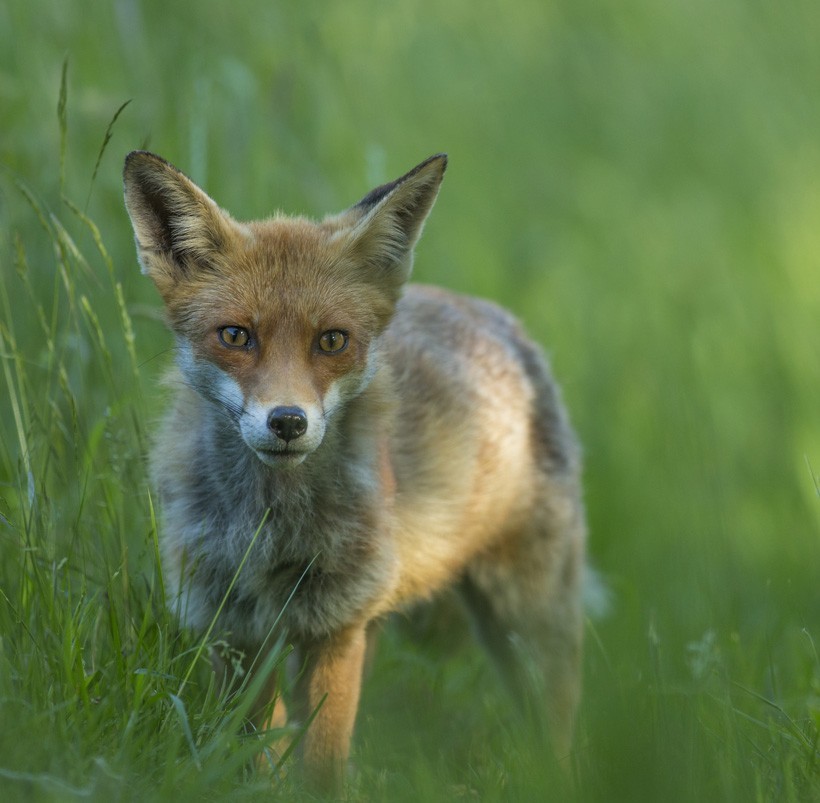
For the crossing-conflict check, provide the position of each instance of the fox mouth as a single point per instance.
(274, 437)
(280, 457)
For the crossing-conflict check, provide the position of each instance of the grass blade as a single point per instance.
(62, 118)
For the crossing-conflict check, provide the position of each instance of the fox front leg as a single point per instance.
(331, 683)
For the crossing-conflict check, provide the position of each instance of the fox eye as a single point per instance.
(333, 341)
(234, 337)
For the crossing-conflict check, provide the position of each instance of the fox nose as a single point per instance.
(288, 423)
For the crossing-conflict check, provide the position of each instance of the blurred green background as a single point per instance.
(639, 181)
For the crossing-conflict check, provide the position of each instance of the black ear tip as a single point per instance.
(138, 155)
(438, 159)
(138, 158)
(130, 160)
(134, 160)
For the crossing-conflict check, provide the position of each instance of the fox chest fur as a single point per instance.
(313, 545)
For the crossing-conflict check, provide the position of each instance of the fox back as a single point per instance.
(364, 443)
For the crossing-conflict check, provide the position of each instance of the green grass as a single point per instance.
(639, 181)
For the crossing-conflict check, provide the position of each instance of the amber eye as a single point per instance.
(333, 341)
(234, 337)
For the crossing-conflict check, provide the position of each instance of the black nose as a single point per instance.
(288, 423)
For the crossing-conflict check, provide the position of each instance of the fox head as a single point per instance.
(277, 321)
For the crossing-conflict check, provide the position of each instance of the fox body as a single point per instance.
(379, 441)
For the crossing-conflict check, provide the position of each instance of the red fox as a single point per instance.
(380, 440)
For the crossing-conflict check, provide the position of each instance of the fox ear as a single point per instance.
(388, 221)
(178, 228)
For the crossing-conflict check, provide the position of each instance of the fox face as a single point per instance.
(277, 322)
(278, 354)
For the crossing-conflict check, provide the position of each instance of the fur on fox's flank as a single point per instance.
(394, 439)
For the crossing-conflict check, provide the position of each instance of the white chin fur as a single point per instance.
(281, 459)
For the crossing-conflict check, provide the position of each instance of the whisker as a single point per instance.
(232, 411)
(155, 356)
